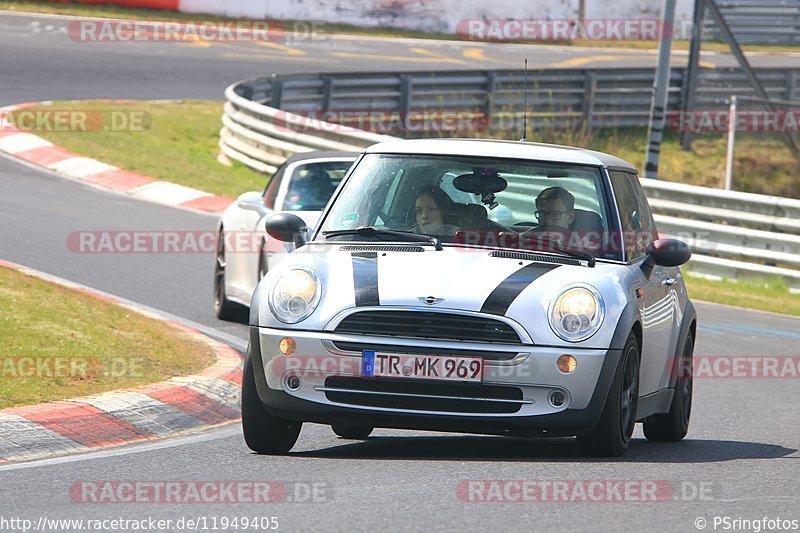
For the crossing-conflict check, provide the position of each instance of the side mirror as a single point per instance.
(287, 227)
(252, 201)
(667, 253)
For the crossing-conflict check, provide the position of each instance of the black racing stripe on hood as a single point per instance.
(504, 294)
(365, 278)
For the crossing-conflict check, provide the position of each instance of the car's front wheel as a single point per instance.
(672, 426)
(612, 435)
(263, 432)
(352, 432)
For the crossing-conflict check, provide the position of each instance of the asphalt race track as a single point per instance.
(740, 459)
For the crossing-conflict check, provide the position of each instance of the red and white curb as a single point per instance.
(170, 408)
(42, 153)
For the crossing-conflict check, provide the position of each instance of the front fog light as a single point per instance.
(295, 295)
(557, 398)
(576, 313)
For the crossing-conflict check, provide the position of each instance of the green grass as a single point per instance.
(114, 11)
(764, 294)
(89, 345)
(179, 143)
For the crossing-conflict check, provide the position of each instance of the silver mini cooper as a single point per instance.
(492, 287)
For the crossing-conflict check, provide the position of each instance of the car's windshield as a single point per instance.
(312, 184)
(466, 200)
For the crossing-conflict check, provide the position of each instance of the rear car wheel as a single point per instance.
(612, 435)
(263, 432)
(672, 426)
(224, 308)
(352, 432)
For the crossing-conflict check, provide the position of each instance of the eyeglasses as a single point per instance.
(552, 215)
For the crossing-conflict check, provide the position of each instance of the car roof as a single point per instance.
(327, 154)
(505, 149)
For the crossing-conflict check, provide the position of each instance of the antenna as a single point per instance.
(525, 102)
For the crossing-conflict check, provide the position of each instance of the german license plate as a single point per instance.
(413, 366)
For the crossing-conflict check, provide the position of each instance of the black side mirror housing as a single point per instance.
(666, 252)
(287, 227)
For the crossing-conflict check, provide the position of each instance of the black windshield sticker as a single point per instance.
(365, 278)
(504, 294)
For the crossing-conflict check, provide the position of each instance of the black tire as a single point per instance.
(263, 432)
(224, 308)
(672, 426)
(612, 435)
(352, 432)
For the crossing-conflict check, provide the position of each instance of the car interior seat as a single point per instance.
(586, 221)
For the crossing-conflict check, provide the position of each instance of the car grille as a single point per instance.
(423, 396)
(421, 324)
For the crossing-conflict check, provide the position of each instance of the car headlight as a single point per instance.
(295, 295)
(576, 313)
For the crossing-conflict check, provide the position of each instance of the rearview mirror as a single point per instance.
(287, 227)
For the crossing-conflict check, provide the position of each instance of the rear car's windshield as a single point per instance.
(312, 184)
(466, 200)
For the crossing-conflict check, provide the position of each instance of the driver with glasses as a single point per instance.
(555, 208)
(555, 211)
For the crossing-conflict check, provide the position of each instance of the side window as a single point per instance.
(638, 229)
(271, 191)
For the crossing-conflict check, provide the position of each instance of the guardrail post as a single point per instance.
(491, 84)
(791, 84)
(589, 91)
(327, 86)
(405, 95)
(277, 94)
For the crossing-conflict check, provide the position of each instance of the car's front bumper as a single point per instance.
(532, 370)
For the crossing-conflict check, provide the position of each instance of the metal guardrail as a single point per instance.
(733, 234)
(759, 21)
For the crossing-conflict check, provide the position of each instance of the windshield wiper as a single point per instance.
(372, 231)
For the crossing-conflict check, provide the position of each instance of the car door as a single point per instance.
(657, 302)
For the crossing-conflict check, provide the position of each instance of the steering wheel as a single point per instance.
(389, 220)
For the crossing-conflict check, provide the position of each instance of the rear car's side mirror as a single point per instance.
(287, 227)
(667, 253)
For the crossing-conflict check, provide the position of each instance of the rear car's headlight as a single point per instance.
(576, 312)
(295, 295)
